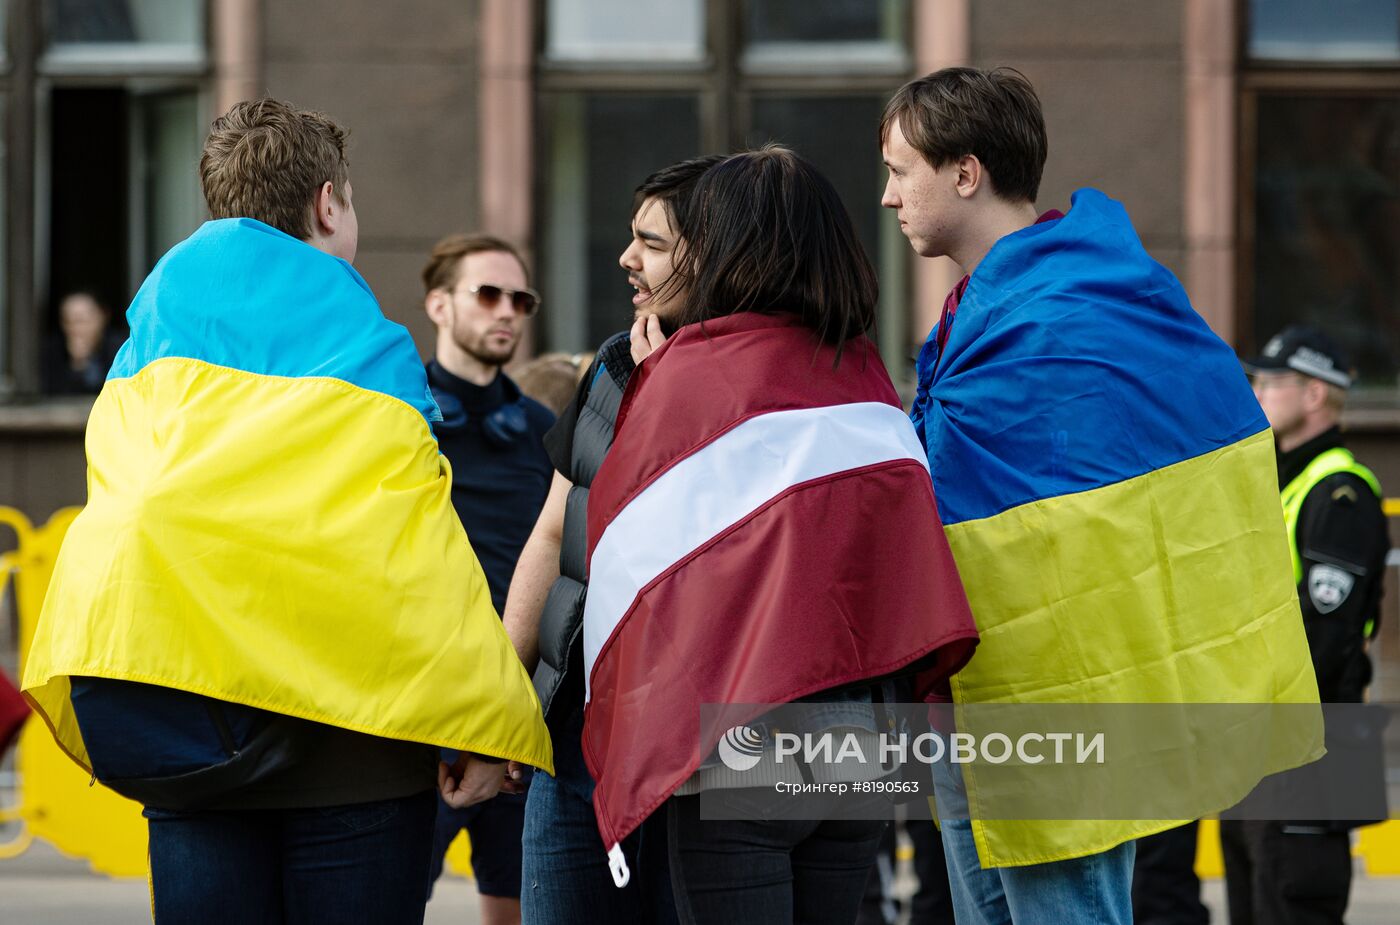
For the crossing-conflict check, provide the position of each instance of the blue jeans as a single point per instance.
(1097, 888)
(565, 876)
(366, 862)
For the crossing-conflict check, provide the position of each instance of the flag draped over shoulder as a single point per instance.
(269, 519)
(1107, 482)
(763, 528)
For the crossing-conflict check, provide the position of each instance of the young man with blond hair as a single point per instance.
(268, 618)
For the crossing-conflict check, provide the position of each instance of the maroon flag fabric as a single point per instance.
(763, 528)
(13, 712)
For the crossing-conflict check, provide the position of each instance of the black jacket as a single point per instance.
(577, 446)
(1342, 544)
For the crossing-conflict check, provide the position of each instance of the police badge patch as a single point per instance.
(1328, 586)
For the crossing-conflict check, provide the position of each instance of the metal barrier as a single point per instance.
(56, 800)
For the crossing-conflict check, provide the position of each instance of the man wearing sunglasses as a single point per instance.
(478, 296)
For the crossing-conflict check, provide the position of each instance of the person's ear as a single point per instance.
(969, 176)
(435, 303)
(1314, 395)
(328, 209)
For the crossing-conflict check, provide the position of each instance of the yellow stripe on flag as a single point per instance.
(285, 543)
(1172, 587)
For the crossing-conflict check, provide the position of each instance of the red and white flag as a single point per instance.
(762, 529)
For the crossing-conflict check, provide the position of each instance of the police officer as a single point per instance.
(1283, 872)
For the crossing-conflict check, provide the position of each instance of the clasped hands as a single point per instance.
(473, 778)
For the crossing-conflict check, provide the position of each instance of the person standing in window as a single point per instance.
(79, 356)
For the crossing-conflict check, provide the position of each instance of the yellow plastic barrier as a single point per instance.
(1209, 862)
(57, 801)
(458, 859)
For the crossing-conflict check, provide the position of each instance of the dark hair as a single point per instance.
(673, 186)
(771, 236)
(84, 292)
(993, 115)
(445, 262)
(266, 159)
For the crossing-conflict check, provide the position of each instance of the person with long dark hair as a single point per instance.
(565, 876)
(763, 531)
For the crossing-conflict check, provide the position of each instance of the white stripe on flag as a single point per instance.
(721, 484)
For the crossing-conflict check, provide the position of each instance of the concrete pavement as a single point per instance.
(41, 887)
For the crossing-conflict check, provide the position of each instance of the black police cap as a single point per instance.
(1302, 348)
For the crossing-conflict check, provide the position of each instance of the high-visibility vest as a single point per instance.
(1327, 463)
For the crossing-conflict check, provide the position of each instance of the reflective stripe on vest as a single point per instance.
(1331, 462)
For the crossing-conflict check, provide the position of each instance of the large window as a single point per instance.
(1320, 186)
(120, 120)
(626, 90)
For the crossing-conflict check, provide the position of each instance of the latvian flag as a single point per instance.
(762, 529)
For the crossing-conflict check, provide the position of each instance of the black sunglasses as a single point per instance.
(525, 301)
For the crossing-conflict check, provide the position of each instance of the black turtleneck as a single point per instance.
(500, 476)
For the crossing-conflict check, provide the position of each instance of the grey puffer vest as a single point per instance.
(559, 675)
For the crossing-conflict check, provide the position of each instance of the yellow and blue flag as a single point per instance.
(269, 519)
(1107, 482)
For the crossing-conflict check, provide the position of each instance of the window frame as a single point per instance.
(1311, 78)
(28, 86)
(725, 92)
(107, 60)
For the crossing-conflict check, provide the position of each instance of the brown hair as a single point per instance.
(993, 115)
(266, 159)
(551, 378)
(444, 263)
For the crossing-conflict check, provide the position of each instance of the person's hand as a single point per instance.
(469, 780)
(646, 337)
(515, 781)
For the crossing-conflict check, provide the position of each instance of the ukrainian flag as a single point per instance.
(1108, 486)
(269, 519)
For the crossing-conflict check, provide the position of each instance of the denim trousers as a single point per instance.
(1096, 888)
(365, 862)
(564, 864)
(757, 871)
